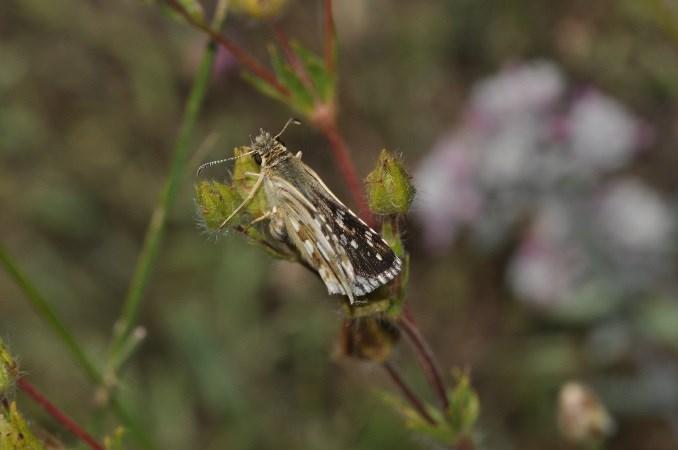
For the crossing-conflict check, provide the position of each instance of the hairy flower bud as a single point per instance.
(389, 187)
(215, 202)
(368, 338)
(7, 368)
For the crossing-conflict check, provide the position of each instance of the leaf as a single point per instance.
(324, 81)
(300, 98)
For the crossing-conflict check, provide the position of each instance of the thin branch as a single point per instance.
(408, 393)
(156, 227)
(330, 38)
(241, 55)
(327, 124)
(58, 415)
(426, 358)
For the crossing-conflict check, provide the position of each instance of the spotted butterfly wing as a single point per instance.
(350, 257)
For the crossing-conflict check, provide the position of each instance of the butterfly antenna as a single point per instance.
(291, 120)
(220, 161)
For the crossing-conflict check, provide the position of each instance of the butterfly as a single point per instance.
(351, 258)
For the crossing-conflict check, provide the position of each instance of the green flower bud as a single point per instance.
(389, 187)
(464, 409)
(369, 338)
(244, 180)
(14, 431)
(7, 368)
(215, 203)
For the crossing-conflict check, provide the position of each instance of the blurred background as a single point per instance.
(541, 136)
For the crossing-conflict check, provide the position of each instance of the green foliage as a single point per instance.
(453, 427)
(309, 83)
(389, 187)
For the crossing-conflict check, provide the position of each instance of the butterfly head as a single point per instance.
(267, 147)
(270, 148)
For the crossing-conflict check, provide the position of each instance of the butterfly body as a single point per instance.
(351, 258)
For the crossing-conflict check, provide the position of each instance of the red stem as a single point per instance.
(425, 356)
(408, 394)
(330, 37)
(346, 167)
(59, 416)
(241, 55)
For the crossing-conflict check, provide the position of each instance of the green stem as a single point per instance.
(156, 227)
(45, 310)
(49, 315)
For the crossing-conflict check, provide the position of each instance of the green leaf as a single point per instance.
(324, 81)
(264, 87)
(300, 98)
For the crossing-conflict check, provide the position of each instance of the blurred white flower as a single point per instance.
(447, 197)
(542, 270)
(636, 217)
(526, 88)
(508, 156)
(603, 133)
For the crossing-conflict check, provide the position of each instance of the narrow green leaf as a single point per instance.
(300, 98)
(324, 82)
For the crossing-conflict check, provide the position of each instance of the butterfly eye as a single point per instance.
(257, 157)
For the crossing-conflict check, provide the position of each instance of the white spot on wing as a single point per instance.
(308, 245)
(295, 224)
(354, 244)
(379, 257)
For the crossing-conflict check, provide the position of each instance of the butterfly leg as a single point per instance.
(250, 196)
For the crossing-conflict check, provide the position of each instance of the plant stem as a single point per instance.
(156, 227)
(408, 393)
(241, 55)
(47, 313)
(45, 310)
(58, 415)
(330, 38)
(426, 358)
(342, 156)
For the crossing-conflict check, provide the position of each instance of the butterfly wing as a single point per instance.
(350, 257)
